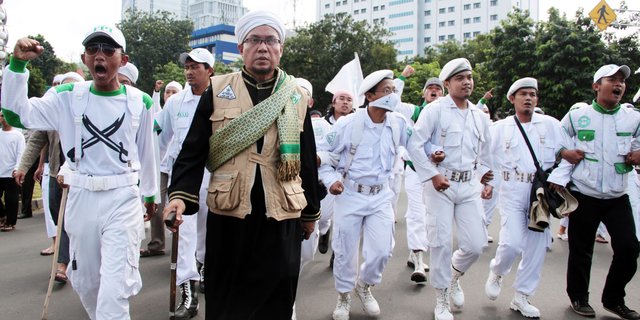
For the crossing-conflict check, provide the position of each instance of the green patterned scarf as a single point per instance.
(242, 132)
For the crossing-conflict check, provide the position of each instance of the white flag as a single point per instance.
(635, 98)
(349, 79)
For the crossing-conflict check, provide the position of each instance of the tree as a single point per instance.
(42, 69)
(318, 51)
(414, 85)
(154, 39)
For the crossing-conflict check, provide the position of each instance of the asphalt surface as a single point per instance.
(24, 275)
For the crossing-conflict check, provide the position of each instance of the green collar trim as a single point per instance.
(601, 109)
(114, 93)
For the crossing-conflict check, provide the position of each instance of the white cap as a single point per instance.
(609, 70)
(305, 84)
(522, 83)
(130, 71)
(388, 102)
(71, 75)
(108, 31)
(58, 78)
(258, 18)
(454, 66)
(200, 55)
(373, 79)
(173, 84)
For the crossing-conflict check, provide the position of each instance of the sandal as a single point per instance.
(7, 228)
(61, 277)
(601, 239)
(47, 251)
(151, 253)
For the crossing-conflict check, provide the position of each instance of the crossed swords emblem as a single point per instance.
(101, 136)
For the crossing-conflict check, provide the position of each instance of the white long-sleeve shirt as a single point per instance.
(12, 146)
(463, 134)
(106, 111)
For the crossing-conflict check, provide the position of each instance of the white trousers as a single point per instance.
(489, 206)
(460, 202)
(633, 190)
(48, 219)
(105, 229)
(367, 216)
(516, 240)
(416, 212)
(308, 248)
(396, 186)
(326, 213)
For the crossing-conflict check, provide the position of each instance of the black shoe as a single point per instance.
(323, 244)
(188, 307)
(582, 308)
(24, 216)
(622, 311)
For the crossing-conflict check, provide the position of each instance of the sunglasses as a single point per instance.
(107, 49)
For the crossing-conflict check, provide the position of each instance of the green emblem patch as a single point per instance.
(330, 137)
(584, 122)
(295, 97)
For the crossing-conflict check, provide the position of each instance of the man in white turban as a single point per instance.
(252, 131)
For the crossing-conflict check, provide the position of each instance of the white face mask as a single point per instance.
(388, 102)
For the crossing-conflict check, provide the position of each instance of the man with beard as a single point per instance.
(607, 134)
(455, 192)
(252, 131)
(106, 132)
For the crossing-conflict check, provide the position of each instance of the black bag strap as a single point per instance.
(526, 139)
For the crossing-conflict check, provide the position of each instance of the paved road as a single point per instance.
(24, 274)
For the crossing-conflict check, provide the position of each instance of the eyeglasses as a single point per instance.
(271, 42)
(107, 49)
(387, 91)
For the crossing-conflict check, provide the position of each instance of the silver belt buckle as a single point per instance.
(506, 175)
(466, 176)
(375, 189)
(455, 176)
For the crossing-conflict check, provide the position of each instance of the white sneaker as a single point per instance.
(418, 274)
(489, 239)
(493, 285)
(455, 292)
(341, 312)
(521, 304)
(369, 303)
(563, 236)
(411, 263)
(442, 310)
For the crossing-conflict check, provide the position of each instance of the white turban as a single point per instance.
(522, 83)
(173, 84)
(73, 76)
(305, 84)
(255, 19)
(58, 78)
(130, 71)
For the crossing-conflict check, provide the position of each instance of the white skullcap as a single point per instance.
(71, 75)
(108, 31)
(130, 71)
(373, 79)
(538, 110)
(609, 70)
(258, 18)
(522, 83)
(57, 79)
(433, 81)
(173, 84)
(388, 102)
(454, 66)
(199, 55)
(305, 84)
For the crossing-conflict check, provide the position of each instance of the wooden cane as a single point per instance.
(54, 263)
(169, 222)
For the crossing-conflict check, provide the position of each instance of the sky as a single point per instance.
(64, 26)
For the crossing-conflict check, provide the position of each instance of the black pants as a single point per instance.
(26, 191)
(55, 198)
(251, 267)
(617, 216)
(10, 190)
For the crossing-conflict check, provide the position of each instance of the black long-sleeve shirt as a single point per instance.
(187, 170)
